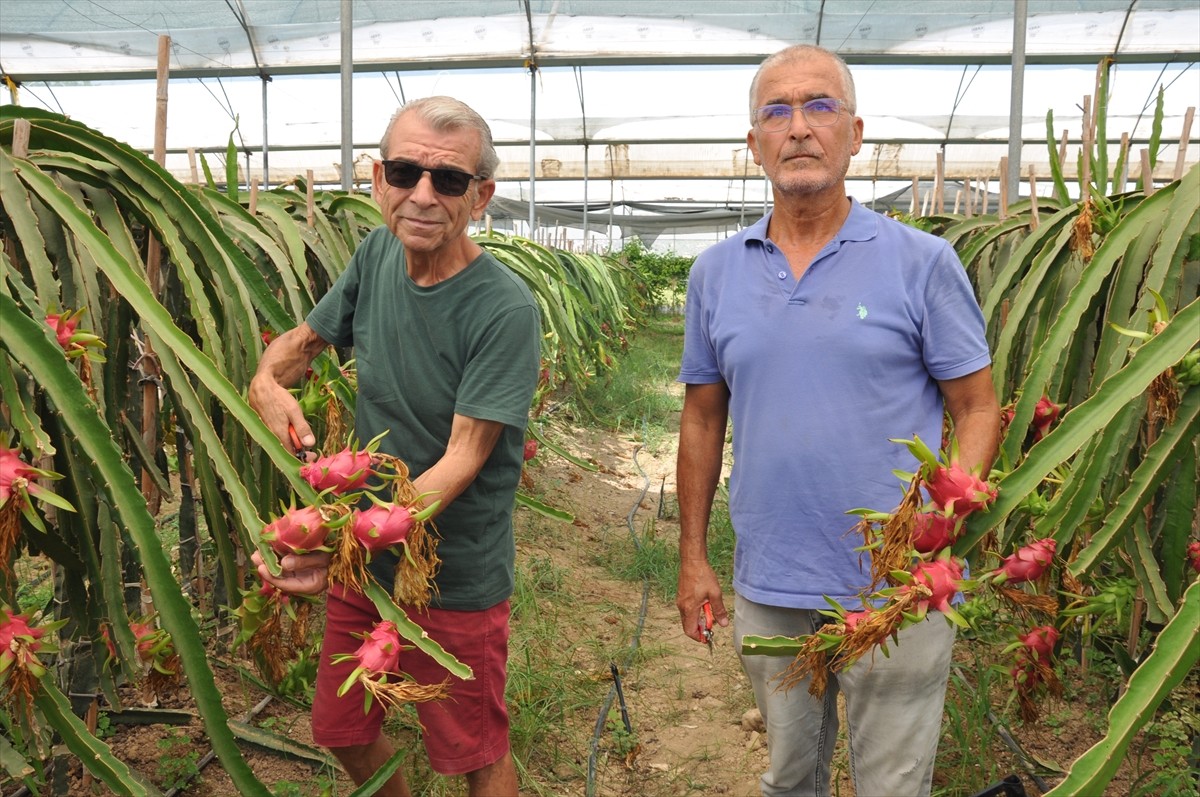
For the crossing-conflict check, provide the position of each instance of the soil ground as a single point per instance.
(685, 707)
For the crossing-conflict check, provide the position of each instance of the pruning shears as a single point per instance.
(705, 625)
(301, 450)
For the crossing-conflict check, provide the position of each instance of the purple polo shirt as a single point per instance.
(822, 371)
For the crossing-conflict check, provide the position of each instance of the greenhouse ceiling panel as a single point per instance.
(63, 39)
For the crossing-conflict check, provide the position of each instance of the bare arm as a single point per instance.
(471, 443)
(698, 470)
(282, 366)
(971, 402)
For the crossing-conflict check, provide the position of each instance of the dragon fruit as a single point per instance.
(299, 531)
(933, 531)
(339, 473)
(1027, 563)
(382, 526)
(954, 490)
(380, 650)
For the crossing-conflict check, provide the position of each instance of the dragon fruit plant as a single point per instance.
(377, 668)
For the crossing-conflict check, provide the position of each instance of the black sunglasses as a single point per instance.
(447, 182)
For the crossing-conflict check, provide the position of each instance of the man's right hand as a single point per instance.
(300, 574)
(283, 365)
(697, 584)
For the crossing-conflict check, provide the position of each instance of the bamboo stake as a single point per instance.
(958, 195)
(916, 190)
(1002, 207)
(192, 166)
(969, 189)
(310, 214)
(938, 185)
(1033, 201)
(20, 140)
(253, 195)
(1147, 176)
(1183, 142)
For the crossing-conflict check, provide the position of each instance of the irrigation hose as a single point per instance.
(594, 746)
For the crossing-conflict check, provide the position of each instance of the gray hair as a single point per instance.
(802, 52)
(447, 113)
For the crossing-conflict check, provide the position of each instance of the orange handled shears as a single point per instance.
(301, 450)
(705, 625)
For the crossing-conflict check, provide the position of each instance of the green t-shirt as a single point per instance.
(469, 345)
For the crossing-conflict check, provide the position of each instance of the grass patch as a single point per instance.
(639, 396)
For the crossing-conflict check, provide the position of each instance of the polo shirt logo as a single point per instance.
(862, 310)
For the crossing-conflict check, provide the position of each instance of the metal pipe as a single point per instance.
(1017, 96)
(347, 71)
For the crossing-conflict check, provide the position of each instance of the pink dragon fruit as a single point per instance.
(341, 472)
(955, 491)
(1039, 642)
(942, 577)
(1044, 414)
(380, 650)
(1028, 563)
(382, 526)
(299, 530)
(933, 531)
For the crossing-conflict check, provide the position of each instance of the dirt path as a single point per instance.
(685, 706)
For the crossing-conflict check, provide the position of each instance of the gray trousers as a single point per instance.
(893, 708)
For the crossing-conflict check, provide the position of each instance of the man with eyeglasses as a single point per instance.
(447, 344)
(823, 331)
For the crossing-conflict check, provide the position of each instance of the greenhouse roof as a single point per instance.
(44, 39)
(612, 103)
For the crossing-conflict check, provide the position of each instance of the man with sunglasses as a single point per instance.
(823, 331)
(447, 345)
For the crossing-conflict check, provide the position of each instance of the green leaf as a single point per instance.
(96, 756)
(1175, 653)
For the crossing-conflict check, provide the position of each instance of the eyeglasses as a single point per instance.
(447, 182)
(820, 112)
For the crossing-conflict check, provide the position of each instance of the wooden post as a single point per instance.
(914, 205)
(1183, 142)
(1033, 201)
(1147, 176)
(310, 213)
(1002, 208)
(958, 195)
(253, 195)
(1120, 180)
(983, 196)
(938, 184)
(969, 190)
(20, 140)
(192, 166)
(148, 362)
(1062, 150)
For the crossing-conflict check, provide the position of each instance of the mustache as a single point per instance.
(802, 151)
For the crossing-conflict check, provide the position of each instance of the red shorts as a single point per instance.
(464, 732)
